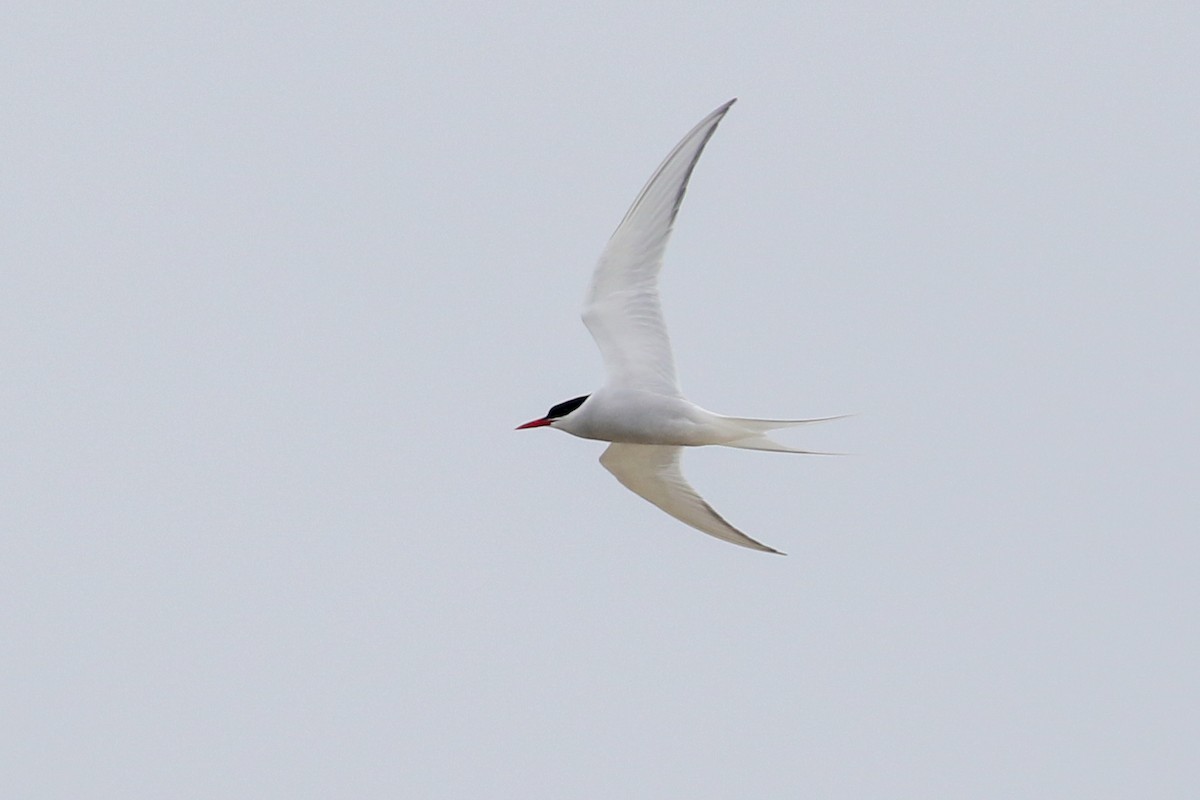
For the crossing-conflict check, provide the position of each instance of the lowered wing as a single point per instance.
(652, 471)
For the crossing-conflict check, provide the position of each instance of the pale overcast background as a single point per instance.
(279, 281)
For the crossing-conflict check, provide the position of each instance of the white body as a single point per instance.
(640, 408)
(636, 416)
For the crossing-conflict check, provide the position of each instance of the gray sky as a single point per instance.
(277, 284)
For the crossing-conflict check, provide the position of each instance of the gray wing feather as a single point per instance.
(621, 309)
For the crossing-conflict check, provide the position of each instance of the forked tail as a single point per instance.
(755, 428)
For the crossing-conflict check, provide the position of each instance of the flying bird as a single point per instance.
(640, 408)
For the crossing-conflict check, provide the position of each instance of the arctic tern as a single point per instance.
(640, 408)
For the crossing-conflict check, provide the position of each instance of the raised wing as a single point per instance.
(652, 471)
(621, 309)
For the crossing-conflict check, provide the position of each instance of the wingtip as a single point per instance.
(754, 544)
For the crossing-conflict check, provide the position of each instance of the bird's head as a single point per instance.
(556, 413)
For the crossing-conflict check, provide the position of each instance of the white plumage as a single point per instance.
(640, 408)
